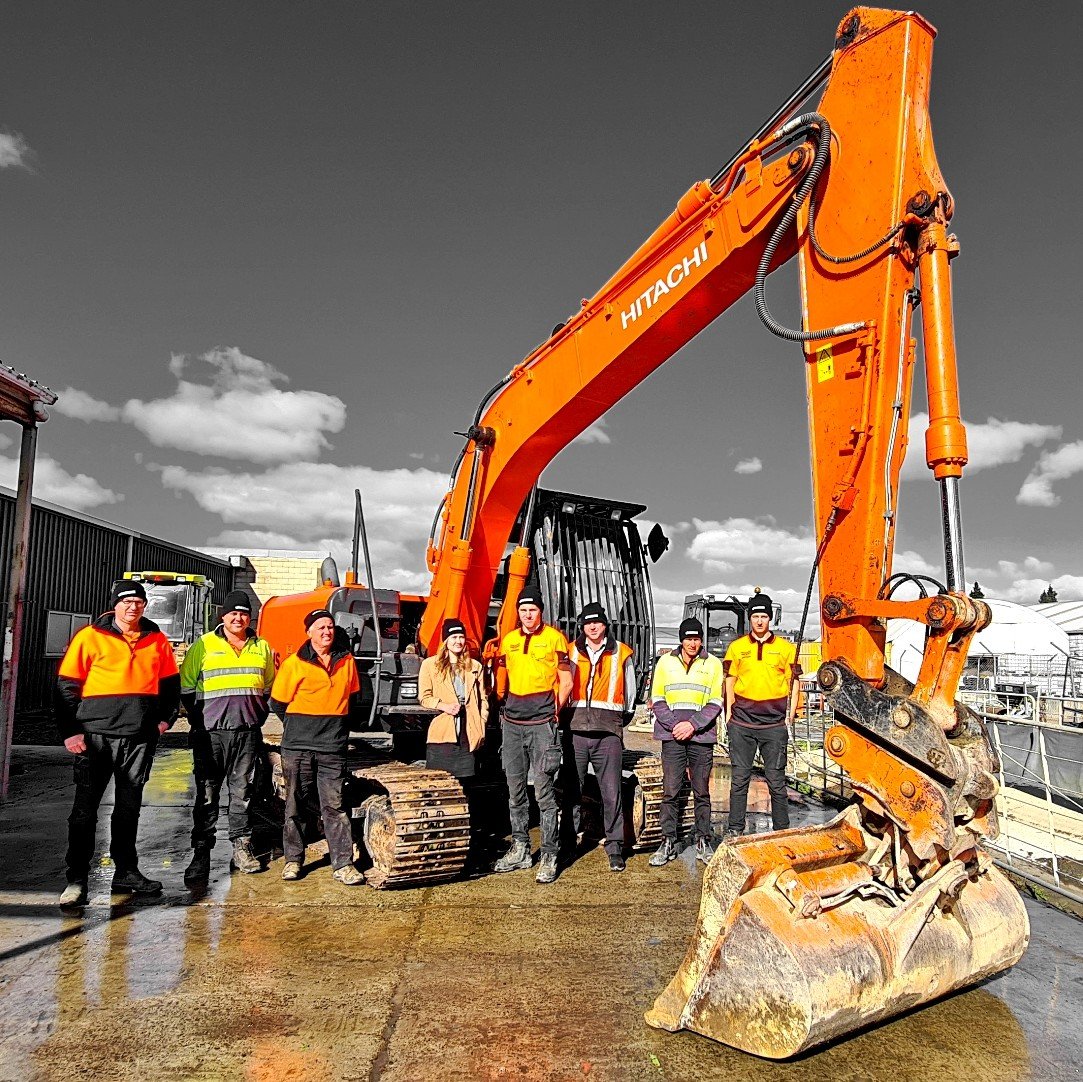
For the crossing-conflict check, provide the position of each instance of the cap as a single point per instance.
(690, 628)
(592, 612)
(317, 614)
(530, 596)
(760, 603)
(453, 627)
(237, 601)
(125, 590)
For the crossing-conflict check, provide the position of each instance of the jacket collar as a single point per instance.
(220, 631)
(105, 623)
(608, 647)
(762, 642)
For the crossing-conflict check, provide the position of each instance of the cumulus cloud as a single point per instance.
(1058, 465)
(235, 410)
(748, 465)
(1027, 591)
(723, 546)
(994, 443)
(71, 402)
(15, 152)
(596, 433)
(53, 483)
(309, 505)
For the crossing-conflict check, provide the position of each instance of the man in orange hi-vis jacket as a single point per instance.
(117, 691)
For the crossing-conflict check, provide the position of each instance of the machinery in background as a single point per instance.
(180, 604)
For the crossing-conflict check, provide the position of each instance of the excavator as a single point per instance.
(806, 934)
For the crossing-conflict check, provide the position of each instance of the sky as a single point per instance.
(268, 252)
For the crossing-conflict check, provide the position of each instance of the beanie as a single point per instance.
(237, 601)
(760, 603)
(592, 611)
(453, 627)
(316, 614)
(690, 628)
(125, 590)
(531, 595)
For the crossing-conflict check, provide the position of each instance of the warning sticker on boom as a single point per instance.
(825, 364)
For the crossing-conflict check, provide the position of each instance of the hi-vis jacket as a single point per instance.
(314, 702)
(763, 673)
(603, 692)
(109, 685)
(687, 693)
(223, 689)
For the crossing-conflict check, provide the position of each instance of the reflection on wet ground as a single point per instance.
(492, 977)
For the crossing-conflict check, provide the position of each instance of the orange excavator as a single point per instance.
(810, 933)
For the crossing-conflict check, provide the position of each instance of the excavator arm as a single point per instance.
(809, 933)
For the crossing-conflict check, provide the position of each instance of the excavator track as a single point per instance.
(644, 774)
(416, 824)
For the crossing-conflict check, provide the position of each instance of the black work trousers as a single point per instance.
(526, 749)
(127, 760)
(316, 778)
(603, 751)
(233, 757)
(681, 759)
(771, 744)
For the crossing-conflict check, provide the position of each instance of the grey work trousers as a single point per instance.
(525, 748)
(603, 751)
(232, 757)
(316, 777)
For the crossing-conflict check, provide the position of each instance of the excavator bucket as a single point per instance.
(774, 968)
(808, 934)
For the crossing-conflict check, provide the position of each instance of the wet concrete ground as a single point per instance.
(488, 978)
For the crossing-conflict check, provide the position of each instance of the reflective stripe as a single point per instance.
(256, 693)
(703, 689)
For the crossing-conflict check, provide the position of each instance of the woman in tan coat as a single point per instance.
(453, 682)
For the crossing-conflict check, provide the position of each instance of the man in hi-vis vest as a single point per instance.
(601, 704)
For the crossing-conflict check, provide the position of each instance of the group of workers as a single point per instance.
(119, 689)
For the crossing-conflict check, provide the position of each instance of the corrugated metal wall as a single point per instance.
(73, 560)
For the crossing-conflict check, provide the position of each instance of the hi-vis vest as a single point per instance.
(601, 686)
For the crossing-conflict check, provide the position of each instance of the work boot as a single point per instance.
(616, 862)
(704, 850)
(731, 835)
(291, 870)
(74, 896)
(667, 851)
(518, 856)
(348, 876)
(547, 869)
(243, 858)
(134, 881)
(199, 870)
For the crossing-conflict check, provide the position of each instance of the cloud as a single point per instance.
(748, 465)
(1027, 591)
(310, 505)
(53, 483)
(15, 152)
(994, 443)
(723, 546)
(72, 402)
(1058, 465)
(595, 433)
(237, 412)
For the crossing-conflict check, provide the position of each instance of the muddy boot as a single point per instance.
(348, 876)
(667, 851)
(243, 858)
(518, 856)
(704, 850)
(199, 870)
(547, 869)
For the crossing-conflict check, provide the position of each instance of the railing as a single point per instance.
(1039, 742)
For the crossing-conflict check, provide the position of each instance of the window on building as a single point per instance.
(59, 628)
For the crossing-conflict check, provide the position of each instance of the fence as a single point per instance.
(1039, 742)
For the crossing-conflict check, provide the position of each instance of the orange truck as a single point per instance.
(810, 933)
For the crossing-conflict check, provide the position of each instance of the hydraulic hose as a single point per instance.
(819, 161)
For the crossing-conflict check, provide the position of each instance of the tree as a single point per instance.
(977, 592)
(1049, 595)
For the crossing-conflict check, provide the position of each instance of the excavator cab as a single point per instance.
(180, 604)
(724, 619)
